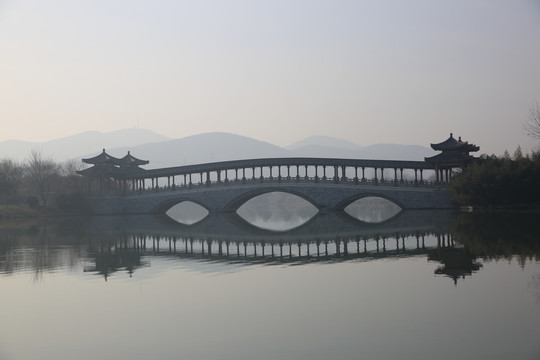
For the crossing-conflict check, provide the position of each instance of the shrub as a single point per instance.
(32, 201)
(72, 202)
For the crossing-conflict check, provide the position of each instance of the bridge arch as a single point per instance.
(235, 204)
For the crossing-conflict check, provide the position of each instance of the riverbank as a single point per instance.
(25, 211)
(502, 208)
(16, 215)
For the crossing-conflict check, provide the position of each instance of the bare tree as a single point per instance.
(71, 180)
(532, 126)
(11, 177)
(42, 173)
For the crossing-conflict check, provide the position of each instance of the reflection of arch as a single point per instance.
(166, 205)
(242, 199)
(243, 223)
(349, 200)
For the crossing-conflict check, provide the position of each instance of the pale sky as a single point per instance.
(394, 71)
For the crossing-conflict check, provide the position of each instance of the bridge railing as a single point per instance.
(274, 170)
(285, 180)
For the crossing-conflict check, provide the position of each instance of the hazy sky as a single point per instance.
(395, 71)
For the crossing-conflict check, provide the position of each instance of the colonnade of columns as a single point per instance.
(283, 173)
(275, 170)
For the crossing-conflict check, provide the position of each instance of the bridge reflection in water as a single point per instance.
(222, 239)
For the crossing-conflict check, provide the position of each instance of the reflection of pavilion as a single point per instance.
(457, 261)
(115, 258)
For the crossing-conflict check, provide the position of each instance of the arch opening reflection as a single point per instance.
(187, 212)
(277, 211)
(373, 209)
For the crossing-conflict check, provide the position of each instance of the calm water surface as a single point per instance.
(421, 285)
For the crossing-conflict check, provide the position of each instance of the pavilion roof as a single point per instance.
(130, 160)
(108, 171)
(453, 158)
(102, 159)
(451, 144)
(100, 170)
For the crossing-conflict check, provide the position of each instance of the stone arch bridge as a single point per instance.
(329, 184)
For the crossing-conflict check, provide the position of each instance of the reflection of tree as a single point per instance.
(499, 235)
(37, 247)
(535, 286)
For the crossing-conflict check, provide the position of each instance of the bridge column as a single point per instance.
(324, 172)
(343, 173)
(244, 175)
(363, 174)
(382, 174)
(279, 173)
(356, 175)
(415, 177)
(288, 172)
(336, 175)
(253, 173)
(401, 178)
(375, 179)
(395, 176)
(208, 182)
(421, 176)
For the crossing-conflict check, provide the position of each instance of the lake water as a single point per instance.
(420, 285)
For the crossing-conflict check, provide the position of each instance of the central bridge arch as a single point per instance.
(249, 194)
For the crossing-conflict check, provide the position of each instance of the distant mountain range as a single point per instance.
(84, 143)
(162, 151)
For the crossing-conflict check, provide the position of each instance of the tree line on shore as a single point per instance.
(493, 181)
(41, 181)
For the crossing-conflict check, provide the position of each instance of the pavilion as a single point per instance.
(108, 169)
(454, 154)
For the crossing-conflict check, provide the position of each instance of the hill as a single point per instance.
(201, 148)
(82, 143)
(162, 151)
